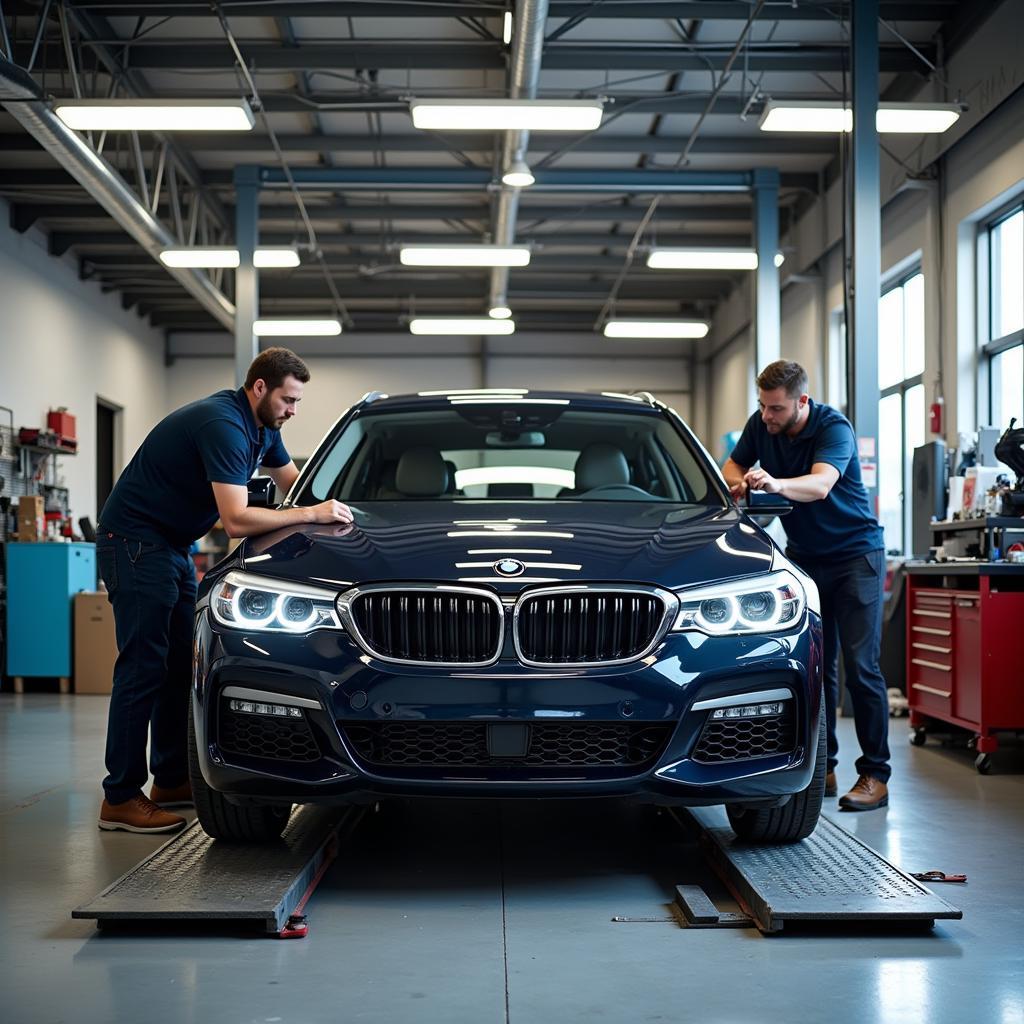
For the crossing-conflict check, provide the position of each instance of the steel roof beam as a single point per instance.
(12, 142)
(265, 57)
(349, 102)
(808, 10)
(41, 207)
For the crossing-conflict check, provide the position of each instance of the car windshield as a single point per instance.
(545, 451)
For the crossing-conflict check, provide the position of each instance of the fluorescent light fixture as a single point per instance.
(806, 116)
(702, 259)
(913, 118)
(464, 256)
(507, 115)
(499, 312)
(156, 115)
(296, 328)
(210, 256)
(477, 392)
(200, 257)
(506, 28)
(518, 175)
(275, 256)
(461, 325)
(833, 116)
(655, 329)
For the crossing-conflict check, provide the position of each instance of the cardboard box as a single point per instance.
(31, 518)
(95, 643)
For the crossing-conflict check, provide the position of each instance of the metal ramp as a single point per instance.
(193, 878)
(831, 877)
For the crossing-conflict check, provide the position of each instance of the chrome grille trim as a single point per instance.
(669, 601)
(346, 611)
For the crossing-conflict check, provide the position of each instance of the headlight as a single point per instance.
(274, 606)
(759, 605)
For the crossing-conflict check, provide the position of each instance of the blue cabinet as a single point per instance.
(41, 581)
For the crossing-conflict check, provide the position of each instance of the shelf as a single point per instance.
(982, 523)
(44, 450)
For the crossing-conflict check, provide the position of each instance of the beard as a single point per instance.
(786, 427)
(265, 413)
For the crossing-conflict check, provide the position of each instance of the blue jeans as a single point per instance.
(851, 612)
(152, 588)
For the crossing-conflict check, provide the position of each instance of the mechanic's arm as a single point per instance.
(813, 486)
(735, 475)
(239, 520)
(283, 476)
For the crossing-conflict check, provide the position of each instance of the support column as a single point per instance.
(767, 317)
(247, 284)
(867, 242)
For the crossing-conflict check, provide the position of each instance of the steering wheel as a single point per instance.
(625, 490)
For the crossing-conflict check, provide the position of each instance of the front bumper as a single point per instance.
(346, 696)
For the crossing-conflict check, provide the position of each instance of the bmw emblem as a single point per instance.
(509, 567)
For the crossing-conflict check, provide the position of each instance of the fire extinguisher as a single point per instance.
(935, 415)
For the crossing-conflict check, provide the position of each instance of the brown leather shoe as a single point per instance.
(139, 814)
(176, 796)
(868, 793)
(831, 786)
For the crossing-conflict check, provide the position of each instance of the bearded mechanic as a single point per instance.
(806, 451)
(192, 468)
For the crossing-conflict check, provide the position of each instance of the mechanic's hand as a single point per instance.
(331, 511)
(759, 480)
(738, 491)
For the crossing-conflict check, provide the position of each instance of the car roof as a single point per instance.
(639, 402)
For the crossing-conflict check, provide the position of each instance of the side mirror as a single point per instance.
(763, 508)
(262, 492)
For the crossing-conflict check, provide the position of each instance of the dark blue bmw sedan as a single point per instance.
(542, 595)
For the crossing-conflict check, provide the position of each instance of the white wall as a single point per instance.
(63, 342)
(344, 369)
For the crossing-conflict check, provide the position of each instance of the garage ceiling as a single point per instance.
(335, 80)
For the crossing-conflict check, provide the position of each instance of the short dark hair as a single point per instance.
(273, 365)
(783, 374)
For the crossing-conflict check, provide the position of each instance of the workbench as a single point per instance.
(964, 663)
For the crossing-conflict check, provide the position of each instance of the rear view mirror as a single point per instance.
(262, 492)
(526, 439)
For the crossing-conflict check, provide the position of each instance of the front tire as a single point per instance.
(795, 820)
(223, 820)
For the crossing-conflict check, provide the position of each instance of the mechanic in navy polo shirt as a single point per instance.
(807, 452)
(190, 470)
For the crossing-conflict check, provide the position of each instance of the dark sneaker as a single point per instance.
(831, 786)
(177, 796)
(868, 793)
(139, 814)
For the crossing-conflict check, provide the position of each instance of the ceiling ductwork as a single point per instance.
(527, 48)
(23, 101)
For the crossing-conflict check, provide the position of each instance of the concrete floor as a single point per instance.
(485, 913)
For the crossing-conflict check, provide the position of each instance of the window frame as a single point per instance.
(989, 346)
(901, 388)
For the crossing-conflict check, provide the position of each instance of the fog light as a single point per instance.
(252, 708)
(750, 710)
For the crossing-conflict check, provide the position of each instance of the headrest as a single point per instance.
(421, 473)
(599, 465)
(449, 484)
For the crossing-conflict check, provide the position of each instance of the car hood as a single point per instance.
(564, 542)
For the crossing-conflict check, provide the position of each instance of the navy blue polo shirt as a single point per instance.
(164, 493)
(840, 526)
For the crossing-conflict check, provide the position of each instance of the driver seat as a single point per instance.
(599, 465)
